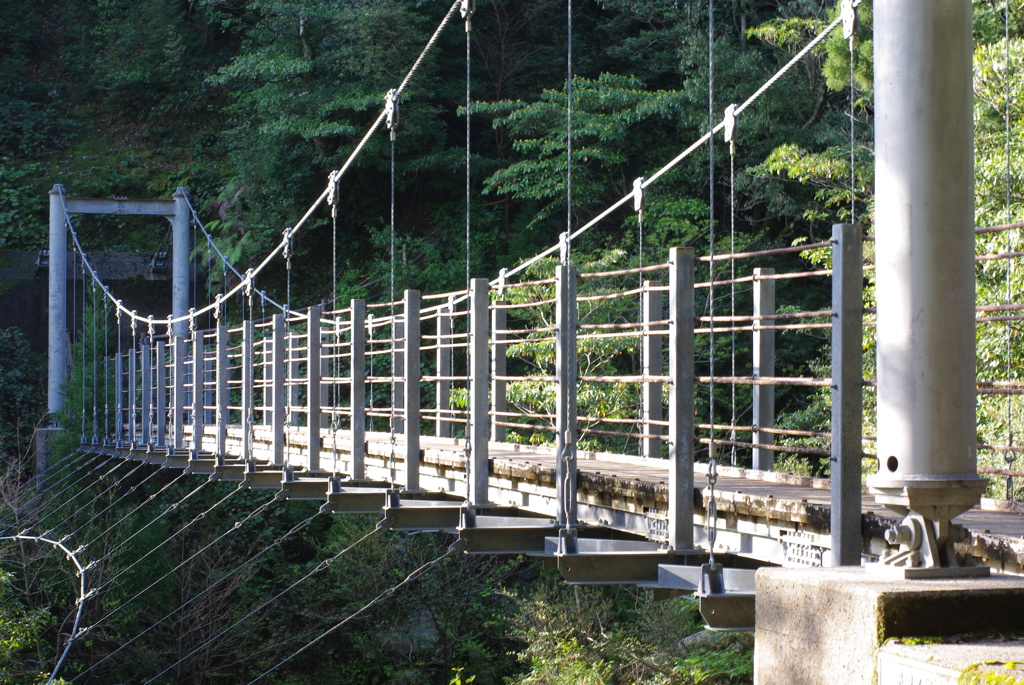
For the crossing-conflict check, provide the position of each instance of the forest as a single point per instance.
(250, 105)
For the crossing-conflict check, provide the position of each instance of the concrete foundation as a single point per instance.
(41, 442)
(982, 661)
(828, 625)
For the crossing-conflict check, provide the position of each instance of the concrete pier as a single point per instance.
(829, 625)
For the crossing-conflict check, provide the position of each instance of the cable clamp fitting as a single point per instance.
(730, 127)
(287, 233)
(332, 187)
(638, 195)
(848, 12)
(467, 10)
(391, 110)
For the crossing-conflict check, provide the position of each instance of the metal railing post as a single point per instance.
(651, 365)
(278, 398)
(178, 393)
(118, 399)
(764, 367)
(442, 424)
(411, 389)
(146, 368)
(397, 373)
(565, 411)
(248, 341)
(680, 399)
(313, 387)
(847, 393)
(479, 466)
(357, 388)
(161, 394)
(198, 393)
(498, 367)
(221, 390)
(132, 399)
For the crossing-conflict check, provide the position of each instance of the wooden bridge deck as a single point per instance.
(767, 516)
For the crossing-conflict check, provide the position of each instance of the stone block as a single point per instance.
(822, 625)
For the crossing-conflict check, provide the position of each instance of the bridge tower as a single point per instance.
(924, 209)
(829, 625)
(175, 210)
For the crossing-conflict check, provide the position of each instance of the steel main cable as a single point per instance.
(291, 230)
(79, 601)
(245, 564)
(696, 145)
(377, 123)
(326, 563)
(237, 525)
(376, 600)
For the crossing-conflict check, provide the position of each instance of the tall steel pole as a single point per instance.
(924, 209)
(182, 248)
(58, 302)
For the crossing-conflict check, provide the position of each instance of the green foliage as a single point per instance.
(22, 402)
(992, 673)
(20, 630)
(618, 635)
(733, 664)
(828, 172)
(21, 207)
(613, 116)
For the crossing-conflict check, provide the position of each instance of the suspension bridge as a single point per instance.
(477, 412)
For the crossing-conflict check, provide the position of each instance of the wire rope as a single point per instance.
(78, 494)
(467, 14)
(732, 290)
(95, 368)
(77, 460)
(119, 369)
(468, 8)
(291, 230)
(173, 507)
(696, 145)
(1009, 455)
(392, 125)
(853, 123)
(80, 336)
(89, 504)
(110, 506)
(148, 499)
(567, 246)
(79, 601)
(316, 569)
(376, 600)
(245, 564)
(106, 371)
(712, 519)
(235, 526)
